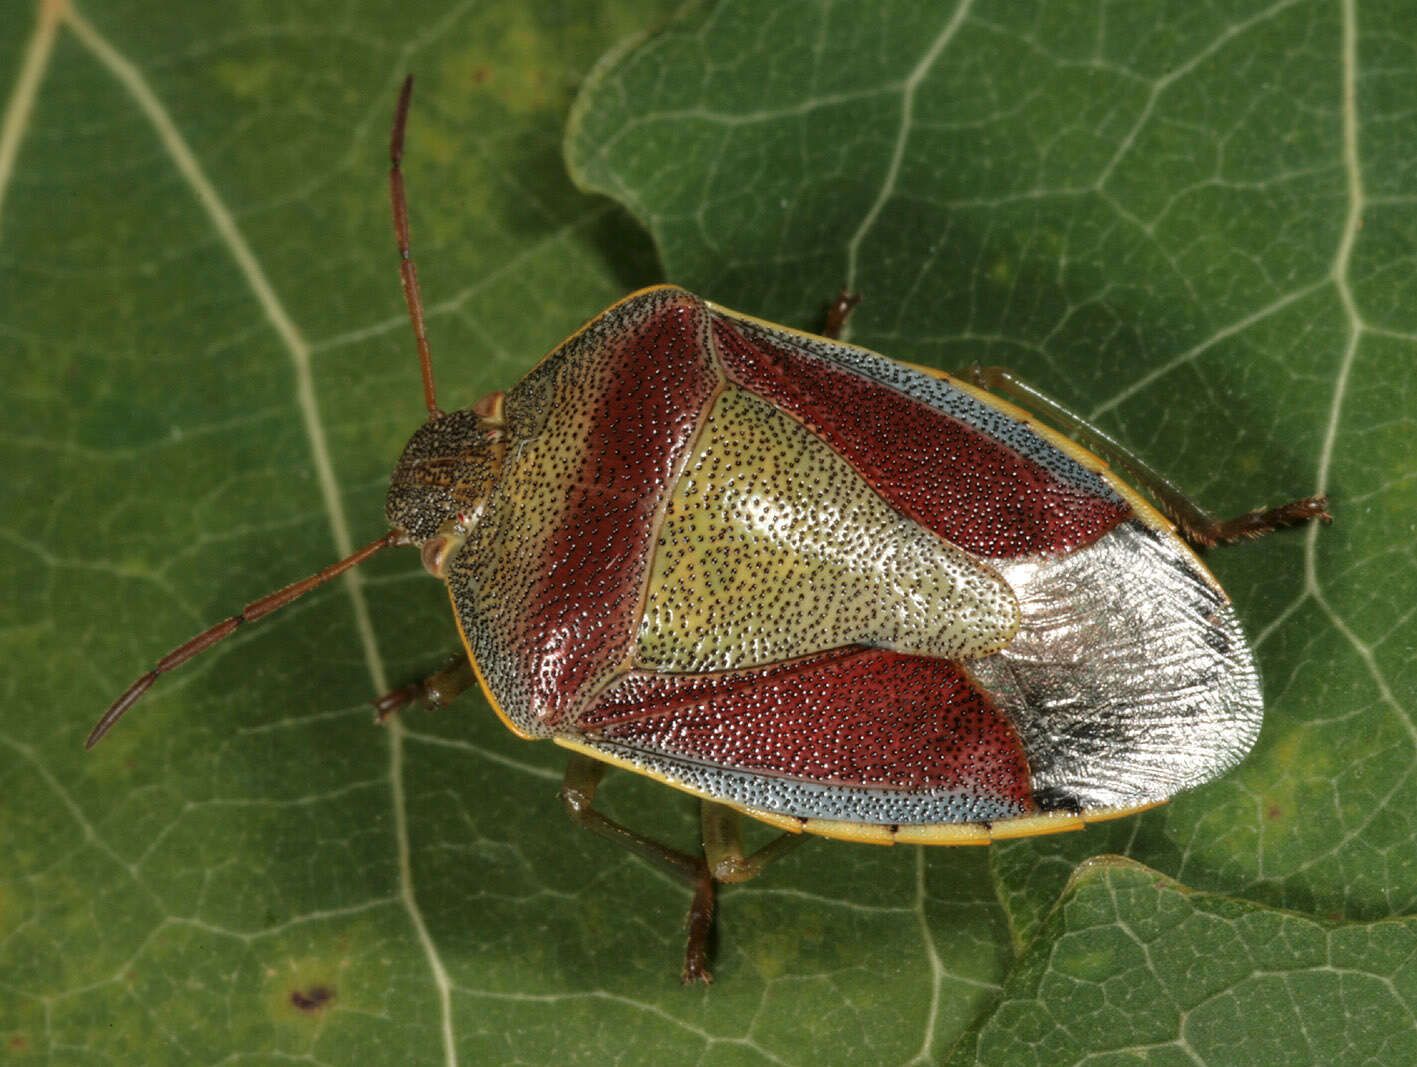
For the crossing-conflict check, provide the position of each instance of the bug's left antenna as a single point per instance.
(407, 271)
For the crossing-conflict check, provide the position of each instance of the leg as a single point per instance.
(723, 845)
(583, 775)
(722, 831)
(838, 311)
(722, 842)
(436, 691)
(1196, 524)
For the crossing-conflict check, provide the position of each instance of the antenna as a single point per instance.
(407, 271)
(257, 609)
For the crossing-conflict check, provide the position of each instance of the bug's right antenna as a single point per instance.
(407, 271)
(257, 609)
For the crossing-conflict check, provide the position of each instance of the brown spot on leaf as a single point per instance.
(313, 999)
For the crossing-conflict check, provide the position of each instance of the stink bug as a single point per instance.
(842, 595)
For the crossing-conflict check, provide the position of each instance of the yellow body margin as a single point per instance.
(967, 833)
(481, 681)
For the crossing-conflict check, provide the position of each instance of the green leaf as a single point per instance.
(1157, 222)
(1154, 214)
(1194, 228)
(1133, 967)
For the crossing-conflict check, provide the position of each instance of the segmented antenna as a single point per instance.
(257, 609)
(407, 271)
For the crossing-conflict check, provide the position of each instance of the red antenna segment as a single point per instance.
(250, 613)
(407, 271)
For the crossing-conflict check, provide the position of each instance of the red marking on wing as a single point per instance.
(961, 483)
(641, 378)
(855, 717)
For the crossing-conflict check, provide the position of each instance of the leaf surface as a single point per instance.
(1132, 967)
(1193, 225)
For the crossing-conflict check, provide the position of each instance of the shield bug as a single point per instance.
(800, 581)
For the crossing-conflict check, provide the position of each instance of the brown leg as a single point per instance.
(700, 929)
(436, 691)
(1196, 524)
(583, 775)
(838, 311)
(724, 860)
(723, 845)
